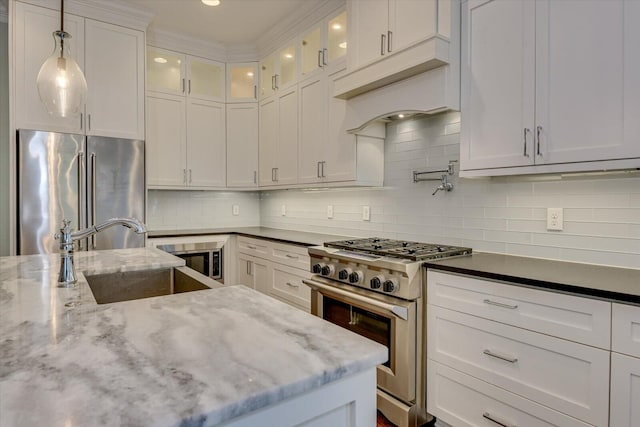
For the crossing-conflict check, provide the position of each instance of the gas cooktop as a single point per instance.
(414, 251)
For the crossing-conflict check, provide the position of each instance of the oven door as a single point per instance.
(386, 320)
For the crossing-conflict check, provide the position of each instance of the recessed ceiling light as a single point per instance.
(250, 74)
(288, 55)
(336, 26)
(343, 45)
(211, 2)
(160, 60)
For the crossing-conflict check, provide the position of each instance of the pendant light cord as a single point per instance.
(62, 16)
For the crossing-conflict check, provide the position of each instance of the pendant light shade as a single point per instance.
(61, 83)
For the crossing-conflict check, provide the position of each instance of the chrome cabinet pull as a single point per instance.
(183, 85)
(249, 272)
(255, 91)
(322, 169)
(276, 80)
(538, 131)
(389, 42)
(184, 176)
(324, 56)
(94, 161)
(89, 121)
(189, 86)
(255, 177)
(273, 84)
(291, 256)
(81, 181)
(81, 120)
(526, 130)
(501, 357)
(382, 43)
(190, 176)
(277, 174)
(292, 285)
(251, 247)
(495, 420)
(273, 174)
(318, 170)
(500, 304)
(319, 60)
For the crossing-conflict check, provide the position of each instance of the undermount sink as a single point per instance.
(131, 285)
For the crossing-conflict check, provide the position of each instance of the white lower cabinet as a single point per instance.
(276, 269)
(497, 344)
(625, 391)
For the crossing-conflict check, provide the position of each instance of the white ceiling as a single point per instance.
(232, 23)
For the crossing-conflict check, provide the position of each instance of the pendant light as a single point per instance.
(61, 83)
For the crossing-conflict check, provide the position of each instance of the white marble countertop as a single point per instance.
(198, 358)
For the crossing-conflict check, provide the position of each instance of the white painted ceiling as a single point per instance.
(232, 23)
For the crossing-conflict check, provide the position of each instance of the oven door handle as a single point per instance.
(396, 310)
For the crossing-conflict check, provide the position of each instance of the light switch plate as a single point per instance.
(283, 210)
(366, 213)
(555, 219)
(236, 210)
(330, 211)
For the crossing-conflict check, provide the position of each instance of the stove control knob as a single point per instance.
(328, 270)
(376, 282)
(390, 286)
(344, 273)
(317, 268)
(355, 277)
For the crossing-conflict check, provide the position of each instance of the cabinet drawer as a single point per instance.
(291, 255)
(287, 284)
(255, 247)
(625, 324)
(463, 401)
(583, 320)
(568, 377)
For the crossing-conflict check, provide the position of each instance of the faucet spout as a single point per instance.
(67, 276)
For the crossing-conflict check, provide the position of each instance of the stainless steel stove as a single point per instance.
(374, 288)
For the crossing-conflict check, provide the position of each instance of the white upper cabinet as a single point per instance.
(205, 79)
(166, 71)
(114, 69)
(323, 45)
(369, 30)
(279, 70)
(112, 58)
(206, 144)
(543, 92)
(242, 82)
(242, 145)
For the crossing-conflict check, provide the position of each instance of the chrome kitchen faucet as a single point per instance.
(67, 276)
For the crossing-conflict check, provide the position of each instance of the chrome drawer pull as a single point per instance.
(292, 285)
(498, 356)
(499, 304)
(251, 247)
(495, 420)
(291, 256)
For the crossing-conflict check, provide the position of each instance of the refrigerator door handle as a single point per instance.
(93, 198)
(81, 191)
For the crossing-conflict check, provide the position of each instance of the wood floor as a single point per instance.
(383, 422)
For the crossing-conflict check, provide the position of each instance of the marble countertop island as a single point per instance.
(197, 358)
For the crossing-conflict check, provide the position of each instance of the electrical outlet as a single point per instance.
(236, 210)
(330, 211)
(366, 213)
(555, 219)
(283, 210)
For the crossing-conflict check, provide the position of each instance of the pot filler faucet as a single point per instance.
(67, 276)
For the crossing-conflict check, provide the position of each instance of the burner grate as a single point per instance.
(415, 251)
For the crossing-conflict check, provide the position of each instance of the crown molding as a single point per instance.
(186, 44)
(295, 24)
(113, 11)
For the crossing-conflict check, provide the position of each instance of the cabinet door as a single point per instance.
(498, 84)
(165, 71)
(313, 126)
(336, 39)
(339, 152)
(267, 77)
(242, 145)
(287, 160)
(206, 147)
(206, 79)
(244, 271)
(166, 143)
(242, 82)
(581, 93)
(369, 22)
(268, 138)
(410, 21)
(114, 63)
(625, 391)
(311, 51)
(261, 274)
(34, 43)
(287, 74)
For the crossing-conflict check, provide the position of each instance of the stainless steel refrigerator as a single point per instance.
(86, 179)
